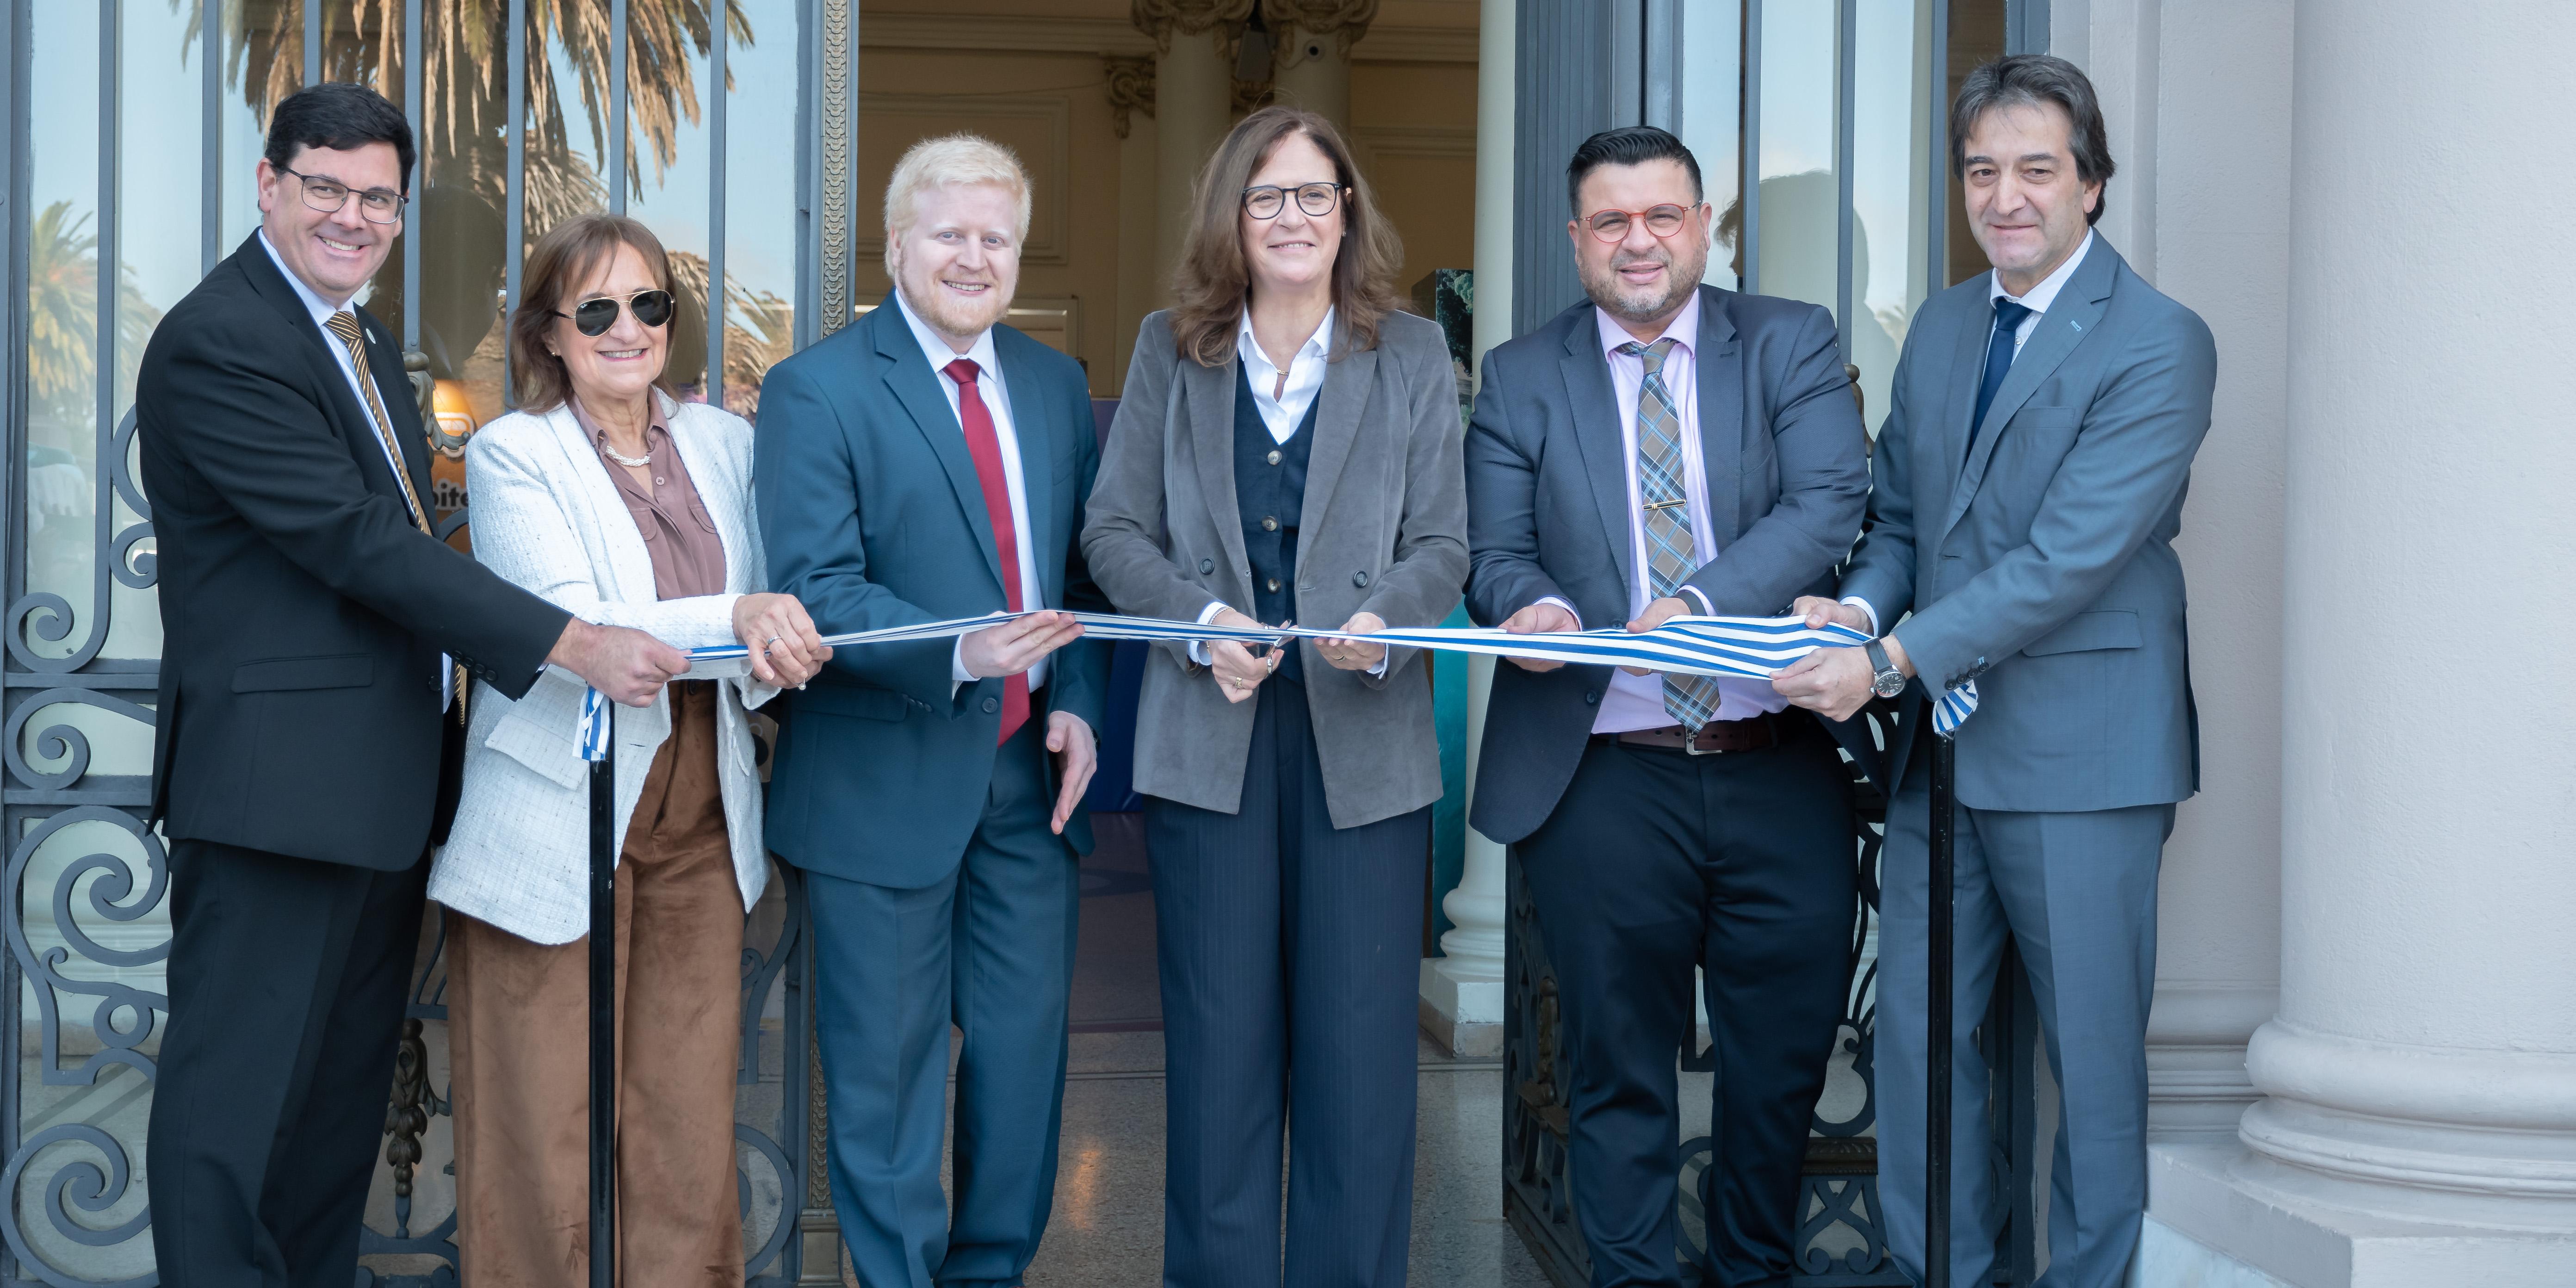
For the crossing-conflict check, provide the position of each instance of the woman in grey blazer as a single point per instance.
(1287, 448)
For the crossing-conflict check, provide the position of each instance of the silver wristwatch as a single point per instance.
(1885, 680)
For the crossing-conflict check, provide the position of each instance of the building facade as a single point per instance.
(2363, 1048)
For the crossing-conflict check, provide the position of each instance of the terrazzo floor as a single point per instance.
(1107, 1227)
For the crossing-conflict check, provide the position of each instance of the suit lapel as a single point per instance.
(1967, 366)
(357, 428)
(1338, 405)
(2069, 319)
(620, 544)
(1036, 433)
(1211, 393)
(907, 375)
(1720, 376)
(1598, 432)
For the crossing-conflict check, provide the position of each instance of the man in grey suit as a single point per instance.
(2030, 479)
(1664, 448)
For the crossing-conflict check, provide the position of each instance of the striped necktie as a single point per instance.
(1665, 498)
(344, 324)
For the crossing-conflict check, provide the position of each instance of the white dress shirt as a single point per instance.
(2037, 300)
(322, 309)
(1283, 405)
(1637, 701)
(988, 385)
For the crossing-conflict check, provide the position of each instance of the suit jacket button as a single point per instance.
(1274, 458)
(992, 705)
(1359, 579)
(1206, 566)
(1592, 697)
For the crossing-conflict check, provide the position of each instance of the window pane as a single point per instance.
(1892, 172)
(1799, 231)
(760, 198)
(1712, 118)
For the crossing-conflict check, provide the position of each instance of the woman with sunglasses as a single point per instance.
(1288, 448)
(610, 498)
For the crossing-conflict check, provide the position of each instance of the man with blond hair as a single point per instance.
(930, 463)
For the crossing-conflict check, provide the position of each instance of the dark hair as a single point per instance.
(1626, 145)
(1212, 283)
(2029, 80)
(557, 266)
(338, 115)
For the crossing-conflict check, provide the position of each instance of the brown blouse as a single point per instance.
(688, 556)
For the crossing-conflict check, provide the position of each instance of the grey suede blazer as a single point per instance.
(2040, 563)
(1384, 530)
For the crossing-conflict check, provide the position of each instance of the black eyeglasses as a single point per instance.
(595, 316)
(1267, 200)
(378, 205)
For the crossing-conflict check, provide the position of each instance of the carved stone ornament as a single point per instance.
(1343, 20)
(1131, 88)
(1161, 19)
(835, 180)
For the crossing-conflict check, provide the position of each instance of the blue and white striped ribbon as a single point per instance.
(1957, 704)
(1744, 647)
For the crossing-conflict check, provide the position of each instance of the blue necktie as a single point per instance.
(1999, 360)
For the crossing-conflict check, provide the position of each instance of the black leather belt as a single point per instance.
(1769, 729)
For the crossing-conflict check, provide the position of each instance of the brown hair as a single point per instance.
(1212, 283)
(557, 265)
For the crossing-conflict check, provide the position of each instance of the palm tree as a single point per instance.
(466, 96)
(62, 324)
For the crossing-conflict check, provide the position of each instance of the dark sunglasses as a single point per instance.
(594, 317)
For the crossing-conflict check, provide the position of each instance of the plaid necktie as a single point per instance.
(344, 324)
(1690, 699)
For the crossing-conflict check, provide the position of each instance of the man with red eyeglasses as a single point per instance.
(1666, 448)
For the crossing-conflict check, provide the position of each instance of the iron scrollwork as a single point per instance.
(1839, 1242)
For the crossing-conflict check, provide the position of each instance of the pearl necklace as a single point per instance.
(630, 462)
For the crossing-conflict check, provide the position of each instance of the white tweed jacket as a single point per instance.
(547, 517)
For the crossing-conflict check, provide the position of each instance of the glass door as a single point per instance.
(133, 130)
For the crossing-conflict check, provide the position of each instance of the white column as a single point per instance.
(1194, 42)
(1462, 989)
(1141, 270)
(2419, 1125)
(1311, 67)
(2221, 213)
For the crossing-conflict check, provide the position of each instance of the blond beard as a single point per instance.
(947, 315)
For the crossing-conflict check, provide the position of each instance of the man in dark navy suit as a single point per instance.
(930, 463)
(1662, 448)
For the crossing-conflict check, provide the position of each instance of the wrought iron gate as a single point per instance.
(1839, 1242)
(128, 159)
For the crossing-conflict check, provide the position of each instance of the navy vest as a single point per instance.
(1270, 491)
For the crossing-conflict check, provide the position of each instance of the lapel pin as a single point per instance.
(2075, 324)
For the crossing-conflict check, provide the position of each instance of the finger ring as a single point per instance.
(771, 640)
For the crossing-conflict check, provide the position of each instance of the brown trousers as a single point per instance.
(519, 1023)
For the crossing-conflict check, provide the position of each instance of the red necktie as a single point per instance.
(985, 445)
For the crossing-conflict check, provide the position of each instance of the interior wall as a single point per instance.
(1031, 74)
(1052, 110)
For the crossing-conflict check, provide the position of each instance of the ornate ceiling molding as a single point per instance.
(1385, 44)
(1345, 21)
(1163, 19)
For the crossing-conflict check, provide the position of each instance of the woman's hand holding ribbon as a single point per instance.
(785, 649)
